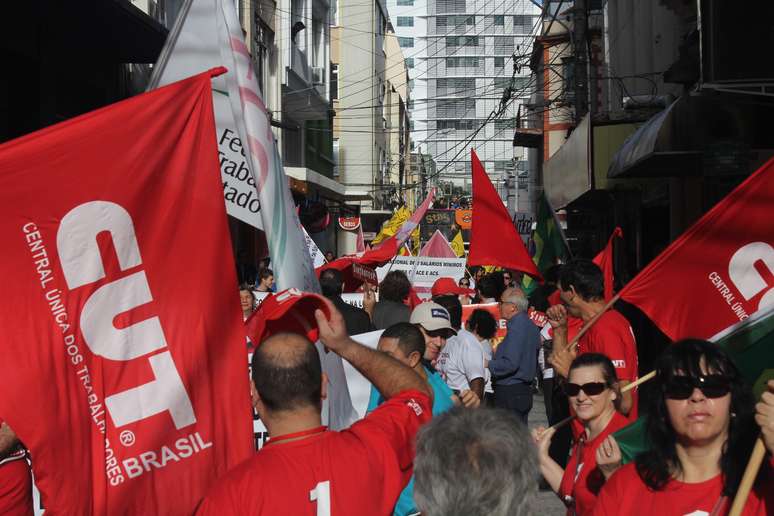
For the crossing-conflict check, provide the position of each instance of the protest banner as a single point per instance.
(94, 269)
(422, 272)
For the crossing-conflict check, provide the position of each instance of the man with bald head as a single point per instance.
(305, 469)
(514, 363)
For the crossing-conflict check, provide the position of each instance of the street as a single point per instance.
(548, 503)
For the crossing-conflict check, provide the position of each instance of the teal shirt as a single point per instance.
(442, 401)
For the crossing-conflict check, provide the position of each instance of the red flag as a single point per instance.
(718, 272)
(127, 383)
(605, 262)
(493, 238)
(360, 241)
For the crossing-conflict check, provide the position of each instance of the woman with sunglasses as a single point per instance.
(592, 388)
(464, 282)
(701, 431)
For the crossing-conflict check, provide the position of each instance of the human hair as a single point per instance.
(331, 282)
(290, 378)
(608, 371)
(483, 323)
(394, 287)
(491, 285)
(244, 287)
(516, 296)
(409, 337)
(452, 304)
(585, 276)
(475, 462)
(264, 273)
(658, 465)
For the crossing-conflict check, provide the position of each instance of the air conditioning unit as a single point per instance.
(318, 75)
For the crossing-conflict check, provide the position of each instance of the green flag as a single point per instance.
(750, 344)
(548, 241)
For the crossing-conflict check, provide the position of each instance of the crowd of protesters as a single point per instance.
(445, 429)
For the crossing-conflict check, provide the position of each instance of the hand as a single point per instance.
(369, 298)
(764, 416)
(557, 317)
(609, 456)
(469, 399)
(333, 331)
(561, 359)
(542, 439)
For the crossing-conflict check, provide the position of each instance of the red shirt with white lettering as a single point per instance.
(15, 485)
(582, 478)
(360, 470)
(612, 336)
(626, 493)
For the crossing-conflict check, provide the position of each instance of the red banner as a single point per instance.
(717, 273)
(127, 384)
(539, 318)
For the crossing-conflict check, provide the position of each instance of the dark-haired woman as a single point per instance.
(483, 325)
(701, 431)
(592, 389)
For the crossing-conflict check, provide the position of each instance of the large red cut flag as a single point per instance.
(126, 383)
(438, 247)
(717, 273)
(605, 261)
(493, 238)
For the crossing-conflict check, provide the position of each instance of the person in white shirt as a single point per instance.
(461, 361)
(483, 325)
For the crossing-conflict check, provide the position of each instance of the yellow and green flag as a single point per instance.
(457, 245)
(391, 226)
(549, 243)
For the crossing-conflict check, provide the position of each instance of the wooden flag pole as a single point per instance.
(625, 388)
(750, 472)
(593, 320)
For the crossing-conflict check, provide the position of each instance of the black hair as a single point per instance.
(331, 282)
(288, 381)
(491, 285)
(657, 465)
(248, 288)
(608, 371)
(483, 323)
(452, 304)
(394, 287)
(585, 276)
(409, 337)
(264, 273)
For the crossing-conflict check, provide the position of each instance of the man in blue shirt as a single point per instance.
(514, 363)
(405, 343)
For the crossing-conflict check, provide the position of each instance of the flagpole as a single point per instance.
(625, 388)
(593, 320)
(750, 472)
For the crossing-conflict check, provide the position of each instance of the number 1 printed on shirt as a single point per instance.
(322, 495)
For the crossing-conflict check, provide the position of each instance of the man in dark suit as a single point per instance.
(356, 319)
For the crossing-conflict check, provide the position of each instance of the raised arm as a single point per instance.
(388, 375)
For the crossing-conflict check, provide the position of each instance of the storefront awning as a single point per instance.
(566, 173)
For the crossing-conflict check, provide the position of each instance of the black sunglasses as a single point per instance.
(591, 388)
(711, 385)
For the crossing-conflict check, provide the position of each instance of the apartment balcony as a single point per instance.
(529, 130)
(305, 88)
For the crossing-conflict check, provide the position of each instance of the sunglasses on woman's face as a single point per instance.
(591, 388)
(711, 385)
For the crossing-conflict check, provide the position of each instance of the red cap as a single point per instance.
(288, 311)
(449, 286)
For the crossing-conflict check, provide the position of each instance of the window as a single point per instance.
(568, 78)
(334, 81)
(461, 41)
(405, 2)
(405, 42)
(411, 84)
(405, 21)
(450, 6)
(522, 24)
(455, 87)
(503, 45)
(409, 62)
(499, 21)
(506, 123)
(455, 108)
(501, 83)
(499, 62)
(459, 62)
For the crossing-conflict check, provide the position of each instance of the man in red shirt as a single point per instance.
(582, 291)
(304, 469)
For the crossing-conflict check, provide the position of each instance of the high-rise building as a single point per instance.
(462, 56)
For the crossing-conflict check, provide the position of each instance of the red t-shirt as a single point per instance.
(582, 479)
(612, 336)
(361, 470)
(626, 493)
(15, 485)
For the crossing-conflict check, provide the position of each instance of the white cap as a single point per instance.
(432, 316)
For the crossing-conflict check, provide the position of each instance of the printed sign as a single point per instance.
(423, 271)
(349, 223)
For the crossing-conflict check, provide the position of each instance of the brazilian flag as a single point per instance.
(548, 243)
(750, 344)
